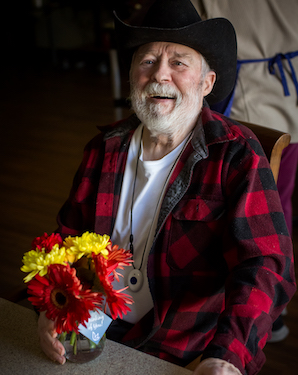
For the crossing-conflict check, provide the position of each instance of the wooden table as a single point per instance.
(20, 353)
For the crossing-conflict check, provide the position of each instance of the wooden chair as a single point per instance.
(273, 142)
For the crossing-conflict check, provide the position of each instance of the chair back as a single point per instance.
(273, 142)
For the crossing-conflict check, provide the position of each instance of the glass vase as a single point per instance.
(80, 349)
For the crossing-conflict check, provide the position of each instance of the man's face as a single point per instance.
(167, 89)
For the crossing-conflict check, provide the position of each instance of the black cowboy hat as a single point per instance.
(177, 21)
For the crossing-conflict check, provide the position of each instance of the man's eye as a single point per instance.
(147, 62)
(179, 63)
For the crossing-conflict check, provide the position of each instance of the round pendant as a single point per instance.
(135, 280)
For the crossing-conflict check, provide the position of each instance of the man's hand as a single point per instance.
(48, 339)
(215, 366)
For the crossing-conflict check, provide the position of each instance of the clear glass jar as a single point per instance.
(79, 348)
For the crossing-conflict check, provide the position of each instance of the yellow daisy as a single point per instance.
(87, 244)
(37, 262)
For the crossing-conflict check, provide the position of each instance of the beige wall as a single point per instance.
(195, 3)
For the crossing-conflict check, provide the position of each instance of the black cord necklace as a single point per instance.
(135, 276)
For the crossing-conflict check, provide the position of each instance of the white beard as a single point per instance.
(157, 117)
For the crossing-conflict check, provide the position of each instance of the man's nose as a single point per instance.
(162, 72)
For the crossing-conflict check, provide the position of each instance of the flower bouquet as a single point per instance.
(71, 281)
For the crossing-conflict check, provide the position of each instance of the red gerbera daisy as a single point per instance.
(101, 270)
(61, 296)
(47, 242)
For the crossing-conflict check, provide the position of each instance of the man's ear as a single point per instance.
(209, 82)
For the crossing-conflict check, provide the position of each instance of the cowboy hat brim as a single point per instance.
(214, 38)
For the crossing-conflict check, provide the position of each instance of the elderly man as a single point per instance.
(192, 194)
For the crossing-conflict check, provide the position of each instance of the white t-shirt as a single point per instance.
(151, 180)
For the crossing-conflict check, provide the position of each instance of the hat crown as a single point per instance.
(167, 14)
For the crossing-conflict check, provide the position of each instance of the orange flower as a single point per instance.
(115, 299)
(117, 302)
(117, 258)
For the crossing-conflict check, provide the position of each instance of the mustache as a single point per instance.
(155, 89)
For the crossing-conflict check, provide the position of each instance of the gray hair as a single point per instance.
(205, 68)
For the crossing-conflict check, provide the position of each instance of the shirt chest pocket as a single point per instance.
(195, 237)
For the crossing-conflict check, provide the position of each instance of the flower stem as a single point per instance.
(62, 337)
(73, 342)
(92, 344)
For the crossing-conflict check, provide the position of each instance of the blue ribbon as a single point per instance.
(277, 59)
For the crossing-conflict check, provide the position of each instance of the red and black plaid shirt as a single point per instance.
(221, 266)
